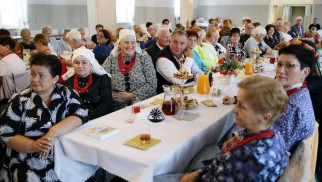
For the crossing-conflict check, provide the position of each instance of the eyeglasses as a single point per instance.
(287, 66)
(99, 36)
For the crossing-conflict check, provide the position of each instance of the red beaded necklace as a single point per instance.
(125, 68)
(248, 139)
(290, 92)
(82, 89)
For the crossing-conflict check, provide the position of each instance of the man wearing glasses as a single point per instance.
(249, 30)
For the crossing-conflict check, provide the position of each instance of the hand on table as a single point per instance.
(228, 100)
(190, 177)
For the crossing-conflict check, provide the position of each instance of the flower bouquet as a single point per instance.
(228, 68)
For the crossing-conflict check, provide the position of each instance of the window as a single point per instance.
(13, 14)
(125, 11)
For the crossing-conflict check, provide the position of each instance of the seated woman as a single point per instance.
(41, 43)
(91, 82)
(271, 39)
(9, 61)
(63, 42)
(104, 47)
(260, 153)
(234, 47)
(256, 41)
(52, 42)
(139, 33)
(33, 120)
(192, 42)
(294, 64)
(133, 74)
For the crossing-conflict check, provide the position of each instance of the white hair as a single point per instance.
(65, 30)
(299, 17)
(154, 27)
(259, 31)
(161, 29)
(74, 35)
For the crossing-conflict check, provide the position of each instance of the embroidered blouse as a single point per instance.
(29, 116)
(259, 160)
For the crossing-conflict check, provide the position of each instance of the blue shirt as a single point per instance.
(103, 50)
(297, 121)
(142, 44)
(198, 61)
(151, 42)
(258, 160)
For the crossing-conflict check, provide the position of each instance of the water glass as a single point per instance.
(129, 114)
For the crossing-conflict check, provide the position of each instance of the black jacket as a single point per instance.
(98, 97)
(153, 52)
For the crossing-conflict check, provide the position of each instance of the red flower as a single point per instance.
(234, 72)
(221, 61)
(229, 73)
(222, 72)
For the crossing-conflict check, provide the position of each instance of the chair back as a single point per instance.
(301, 166)
(13, 83)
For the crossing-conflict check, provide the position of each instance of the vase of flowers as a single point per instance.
(229, 69)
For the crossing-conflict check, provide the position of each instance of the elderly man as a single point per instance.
(63, 43)
(298, 28)
(174, 57)
(249, 30)
(86, 40)
(278, 28)
(257, 42)
(26, 41)
(75, 41)
(153, 29)
(286, 32)
(53, 43)
(163, 39)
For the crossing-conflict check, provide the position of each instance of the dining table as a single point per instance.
(180, 141)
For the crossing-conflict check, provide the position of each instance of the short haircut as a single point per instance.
(139, 30)
(74, 35)
(179, 32)
(269, 26)
(234, 31)
(279, 22)
(81, 29)
(164, 20)
(193, 22)
(210, 20)
(299, 18)
(148, 24)
(160, 30)
(22, 30)
(259, 31)
(50, 61)
(305, 56)
(45, 29)
(196, 29)
(315, 18)
(99, 26)
(7, 40)
(42, 38)
(4, 32)
(192, 33)
(265, 95)
(107, 35)
(247, 20)
(154, 27)
(256, 24)
(179, 26)
(65, 30)
(210, 32)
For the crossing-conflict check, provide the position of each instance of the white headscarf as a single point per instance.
(125, 33)
(89, 55)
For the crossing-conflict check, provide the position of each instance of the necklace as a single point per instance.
(290, 92)
(125, 68)
(79, 89)
(251, 138)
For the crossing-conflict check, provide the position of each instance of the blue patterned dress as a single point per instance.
(258, 160)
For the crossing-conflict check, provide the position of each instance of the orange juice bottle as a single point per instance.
(249, 68)
(203, 85)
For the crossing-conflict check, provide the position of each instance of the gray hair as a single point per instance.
(81, 29)
(299, 17)
(65, 30)
(162, 29)
(46, 28)
(180, 32)
(154, 27)
(259, 31)
(24, 29)
(74, 35)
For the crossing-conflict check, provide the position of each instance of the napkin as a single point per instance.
(157, 102)
(136, 143)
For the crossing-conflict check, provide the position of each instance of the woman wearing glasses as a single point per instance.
(133, 73)
(104, 48)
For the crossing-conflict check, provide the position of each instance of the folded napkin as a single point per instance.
(136, 143)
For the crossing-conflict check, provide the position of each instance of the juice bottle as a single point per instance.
(249, 68)
(203, 86)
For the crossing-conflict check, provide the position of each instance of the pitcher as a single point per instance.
(203, 86)
(170, 105)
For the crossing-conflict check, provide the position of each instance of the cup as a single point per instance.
(129, 114)
(145, 131)
(136, 105)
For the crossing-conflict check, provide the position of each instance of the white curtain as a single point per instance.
(125, 11)
(13, 14)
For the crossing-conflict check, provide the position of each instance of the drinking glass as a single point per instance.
(145, 131)
(136, 105)
(129, 114)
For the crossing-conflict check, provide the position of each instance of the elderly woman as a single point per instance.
(259, 154)
(9, 61)
(91, 82)
(104, 47)
(192, 42)
(53, 43)
(257, 42)
(271, 39)
(153, 29)
(133, 73)
(235, 48)
(211, 39)
(33, 120)
(297, 122)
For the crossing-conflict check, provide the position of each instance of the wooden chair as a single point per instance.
(301, 166)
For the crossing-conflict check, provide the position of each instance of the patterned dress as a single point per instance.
(258, 160)
(140, 80)
(236, 52)
(297, 121)
(102, 51)
(29, 116)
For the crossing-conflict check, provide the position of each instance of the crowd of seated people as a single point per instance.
(110, 71)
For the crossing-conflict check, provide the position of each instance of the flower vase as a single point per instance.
(230, 79)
